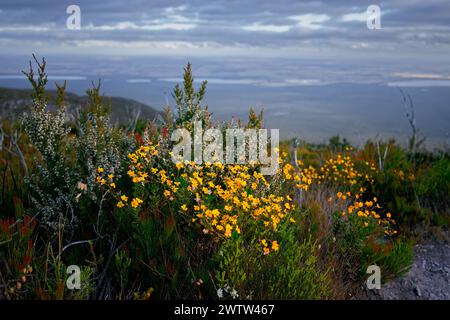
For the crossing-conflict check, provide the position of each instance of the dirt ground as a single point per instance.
(428, 279)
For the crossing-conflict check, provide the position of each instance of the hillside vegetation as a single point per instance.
(14, 102)
(107, 198)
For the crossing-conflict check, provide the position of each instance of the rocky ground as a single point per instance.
(428, 279)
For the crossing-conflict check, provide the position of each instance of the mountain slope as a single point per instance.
(13, 102)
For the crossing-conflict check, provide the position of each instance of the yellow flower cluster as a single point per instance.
(368, 211)
(226, 196)
(303, 177)
(104, 179)
(220, 199)
(227, 200)
(266, 249)
(342, 169)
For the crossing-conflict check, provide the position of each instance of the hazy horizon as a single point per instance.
(315, 68)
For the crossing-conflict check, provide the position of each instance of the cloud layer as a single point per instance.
(288, 28)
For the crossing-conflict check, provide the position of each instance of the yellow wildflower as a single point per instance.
(136, 202)
(120, 204)
(275, 246)
(179, 165)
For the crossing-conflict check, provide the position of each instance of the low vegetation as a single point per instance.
(109, 199)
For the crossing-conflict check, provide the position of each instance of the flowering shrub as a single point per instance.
(65, 166)
(48, 132)
(219, 200)
(240, 214)
(142, 226)
(98, 143)
(343, 170)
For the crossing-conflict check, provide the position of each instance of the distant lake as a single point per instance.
(305, 109)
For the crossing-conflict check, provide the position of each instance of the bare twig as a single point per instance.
(382, 158)
(134, 113)
(67, 246)
(295, 145)
(414, 141)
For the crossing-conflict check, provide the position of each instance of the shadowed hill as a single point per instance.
(13, 102)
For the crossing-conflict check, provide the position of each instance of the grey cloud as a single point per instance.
(255, 23)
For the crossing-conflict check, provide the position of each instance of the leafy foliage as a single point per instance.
(110, 200)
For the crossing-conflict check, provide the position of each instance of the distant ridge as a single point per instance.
(14, 102)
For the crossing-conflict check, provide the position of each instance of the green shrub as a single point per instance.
(293, 272)
(393, 257)
(433, 183)
(138, 225)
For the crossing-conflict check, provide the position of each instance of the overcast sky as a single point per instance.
(252, 52)
(289, 28)
(413, 42)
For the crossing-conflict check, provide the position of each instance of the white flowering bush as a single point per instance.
(68, 154)
(47, 131)
(98, 144)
